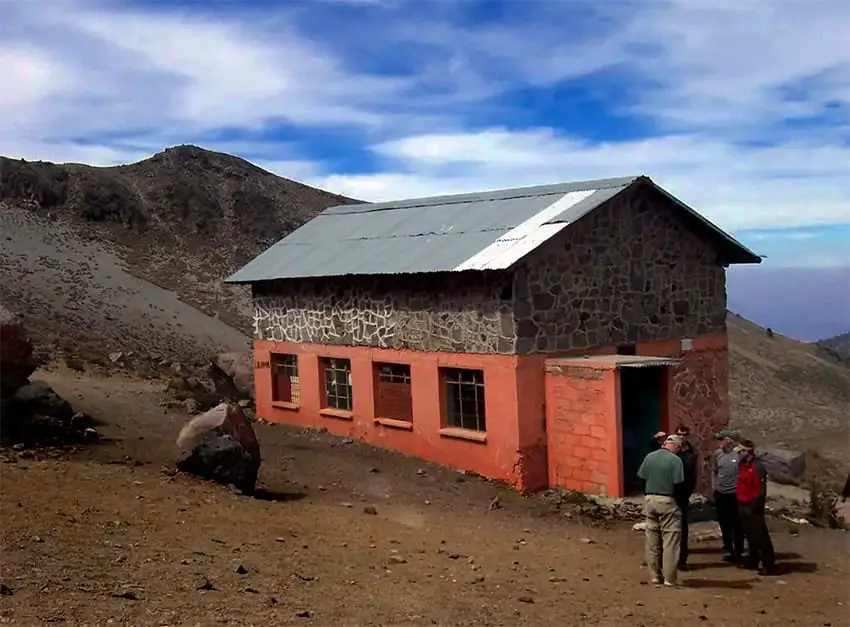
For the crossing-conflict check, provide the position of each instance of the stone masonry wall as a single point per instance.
(701, 401)
(435, 313)
(632, 271)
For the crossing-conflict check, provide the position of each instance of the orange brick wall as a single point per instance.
(498, 454)
(582, 423)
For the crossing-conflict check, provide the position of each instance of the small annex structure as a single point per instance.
(538, 336)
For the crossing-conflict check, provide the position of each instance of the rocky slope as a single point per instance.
(838, 346)
(787, 391)
(181, 219)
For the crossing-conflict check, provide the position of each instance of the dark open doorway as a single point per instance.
(642, 394)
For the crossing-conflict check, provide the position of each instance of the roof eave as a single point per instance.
(737, 253)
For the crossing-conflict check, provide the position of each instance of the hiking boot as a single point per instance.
(656, 581)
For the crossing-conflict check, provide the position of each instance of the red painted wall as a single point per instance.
(496, 454)
(543, 427)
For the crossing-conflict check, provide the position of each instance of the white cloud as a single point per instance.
(424, 93)
(737, 187)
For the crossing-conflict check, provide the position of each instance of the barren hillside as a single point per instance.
(89, 256)
(788, 391)
(181, 219)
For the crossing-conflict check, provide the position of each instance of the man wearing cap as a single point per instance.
(724, 473)
(752, 494)
(661, 471)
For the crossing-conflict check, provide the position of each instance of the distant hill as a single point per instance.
(131, 258)
(182, 219)
(838, 346)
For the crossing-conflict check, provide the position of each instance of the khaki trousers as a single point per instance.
(663, 536)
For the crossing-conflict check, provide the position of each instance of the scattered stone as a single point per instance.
(220, 445)
(494, 504)
(206, 585)
(557, 579)
(5, 590)
(345, 504)
(705, 532)
(371, 510)
(586, 540)
(373, 470)
(420, 472)
(397, 559)
(117, 357)
(251, 590)
(131, 594)
(241, 570)
(20, 446)
(304, 614)
(525, 599)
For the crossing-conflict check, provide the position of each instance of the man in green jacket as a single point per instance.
(661, 471)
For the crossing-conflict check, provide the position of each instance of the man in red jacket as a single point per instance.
(752, 493)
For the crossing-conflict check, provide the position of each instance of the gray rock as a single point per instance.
(783, 465)
(221, 445)
(39, 398)
(233, 374)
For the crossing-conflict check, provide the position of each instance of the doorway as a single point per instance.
(642, 411)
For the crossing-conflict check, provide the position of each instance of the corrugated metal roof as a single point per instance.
(484, 231)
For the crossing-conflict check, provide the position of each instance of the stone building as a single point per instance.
(536, 335)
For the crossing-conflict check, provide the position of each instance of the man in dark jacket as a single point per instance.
(690, 461)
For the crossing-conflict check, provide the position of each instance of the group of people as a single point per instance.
(669, 472)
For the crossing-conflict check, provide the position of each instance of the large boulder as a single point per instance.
(783, 465)
(220, 445)
(233, 375)
(17, 361)
(35, 413)
(38, 398)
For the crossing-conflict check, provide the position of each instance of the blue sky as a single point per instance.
(741, 109)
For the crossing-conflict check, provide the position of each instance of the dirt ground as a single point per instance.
(108, 535)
